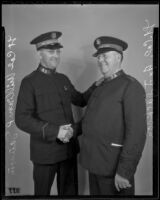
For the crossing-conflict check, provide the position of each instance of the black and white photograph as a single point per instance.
(79, 100)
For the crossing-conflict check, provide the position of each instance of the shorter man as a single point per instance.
(114, 125)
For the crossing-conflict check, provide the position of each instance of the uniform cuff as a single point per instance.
(49, 132)
(127, 168)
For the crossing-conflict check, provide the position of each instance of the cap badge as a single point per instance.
(98, 41)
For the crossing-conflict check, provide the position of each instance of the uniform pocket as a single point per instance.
(110, 157)
(116, 145)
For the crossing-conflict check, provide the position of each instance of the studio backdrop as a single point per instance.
(80, 25)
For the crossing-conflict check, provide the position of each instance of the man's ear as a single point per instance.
(118, 56)
(39, 53)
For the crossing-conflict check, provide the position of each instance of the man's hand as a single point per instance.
(68, 135)
(121, 183)
(99, 81)
(65, 133)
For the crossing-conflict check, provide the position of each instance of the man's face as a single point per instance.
(50, 58)
(108, 62)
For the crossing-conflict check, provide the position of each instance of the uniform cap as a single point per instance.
(47, 40)
(107, 43)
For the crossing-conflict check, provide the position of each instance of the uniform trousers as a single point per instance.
(67, 180)
(102, 185)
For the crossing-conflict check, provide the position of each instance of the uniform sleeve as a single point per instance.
(26, 118)
(81, 99)
(88, 92)
(135, 130)
(77, 127)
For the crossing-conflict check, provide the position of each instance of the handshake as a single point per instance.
(65, 133)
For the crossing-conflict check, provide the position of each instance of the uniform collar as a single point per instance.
(45, 70)
(115, 75)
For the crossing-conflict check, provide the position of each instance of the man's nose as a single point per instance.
(56, 55)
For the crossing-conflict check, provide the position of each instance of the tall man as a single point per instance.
(114, 125)
(44, 111)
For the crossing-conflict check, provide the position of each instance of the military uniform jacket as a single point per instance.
(114, 128)
(44, 104)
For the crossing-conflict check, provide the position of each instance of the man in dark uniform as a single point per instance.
(114, 125)
(44, 111)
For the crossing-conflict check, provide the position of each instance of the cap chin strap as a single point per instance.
(52, 41)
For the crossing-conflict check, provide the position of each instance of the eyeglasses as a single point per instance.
(103, 55)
